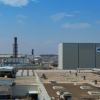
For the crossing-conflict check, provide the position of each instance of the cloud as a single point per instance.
(98, 22)
(36, 1)
(76, 25)
(60, 16)
(20, 21)
(16, 3)
(21, 18)
(1, 14)
(69, 15)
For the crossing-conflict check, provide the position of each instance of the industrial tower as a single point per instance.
(15, 48)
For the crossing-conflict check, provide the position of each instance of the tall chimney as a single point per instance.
(15, 48)
(32, 52)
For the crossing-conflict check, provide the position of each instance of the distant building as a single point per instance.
(79, 55)
(8, 59)
(15, 61)
(50, 58)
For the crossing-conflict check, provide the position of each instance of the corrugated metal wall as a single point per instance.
(97, 56)
(70, 55)
(83, 55)
(86, 55)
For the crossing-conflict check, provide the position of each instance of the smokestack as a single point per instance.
(32, 52)
(15, 48)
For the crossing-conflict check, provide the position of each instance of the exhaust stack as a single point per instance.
(15, 48)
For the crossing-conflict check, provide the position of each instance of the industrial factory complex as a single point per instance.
(73, 74)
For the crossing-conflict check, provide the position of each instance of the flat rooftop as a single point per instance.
(25, 77)
(6, 81)
(75, 90)
(5, 90)
(72, 81)
(69, 76)
(25, 72)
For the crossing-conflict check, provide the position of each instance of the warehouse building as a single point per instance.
(79, 55)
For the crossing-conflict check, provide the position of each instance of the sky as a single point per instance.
(43, 24)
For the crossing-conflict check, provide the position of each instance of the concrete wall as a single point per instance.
(74, 55)
(60, 56)
(43, 95)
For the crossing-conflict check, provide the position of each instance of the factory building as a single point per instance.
(79, 55)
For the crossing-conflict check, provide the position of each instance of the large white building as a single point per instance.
(79, 55)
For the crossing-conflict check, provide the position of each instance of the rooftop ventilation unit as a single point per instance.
(77, 83)
(88, 98)
(58, 87)
(95, 93)
(85, 87)
(44, 76)
(53, 98)
(53, 82)
(65, 95)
